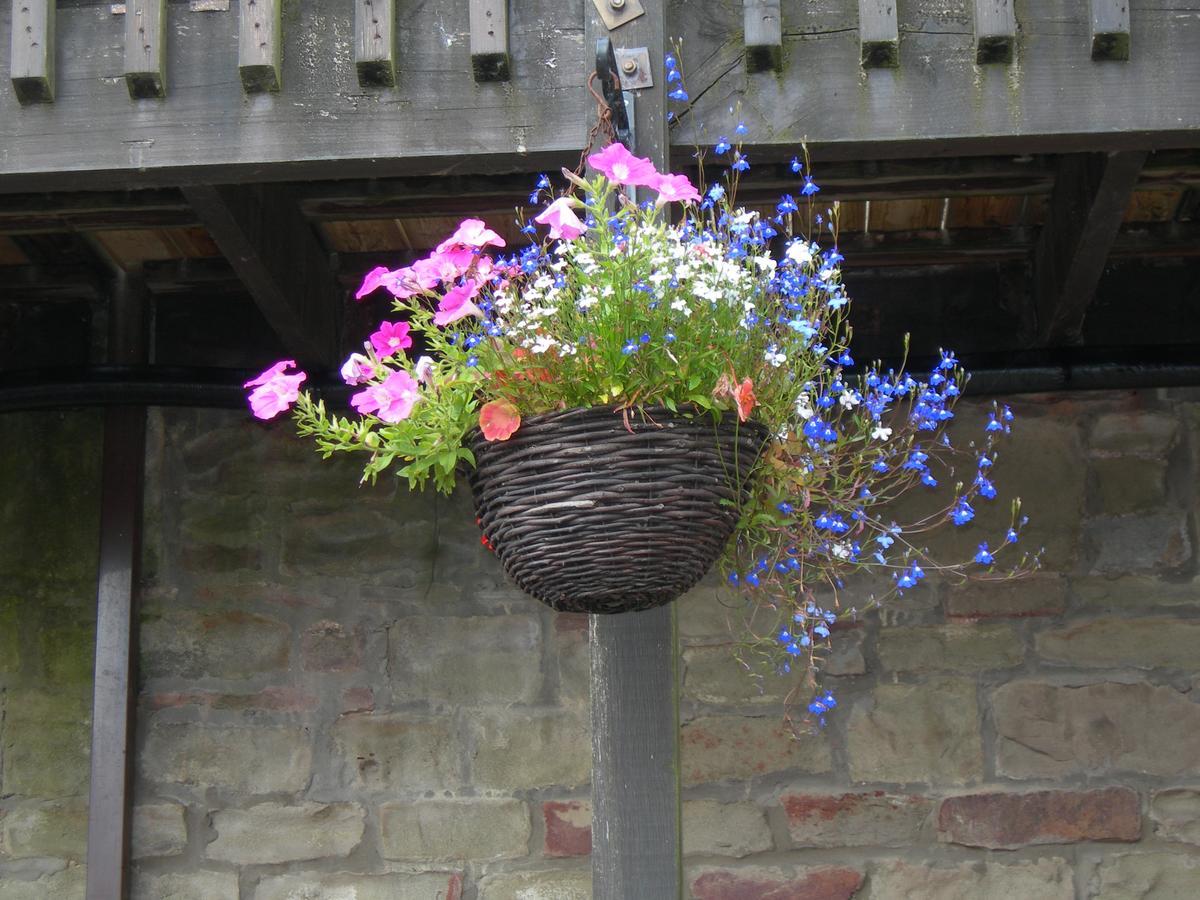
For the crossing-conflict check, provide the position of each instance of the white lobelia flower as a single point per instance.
(804, 407)
(424, 370)
(880, 433)
(848, 399)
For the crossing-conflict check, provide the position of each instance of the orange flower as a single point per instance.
(499, 419)
(743, 396)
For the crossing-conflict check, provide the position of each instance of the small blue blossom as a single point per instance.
(983, 557)
(630, 347)
(962, 512)
(810, 188)
(679, 95)
(472, 361)
(741, 129)
(796, 165)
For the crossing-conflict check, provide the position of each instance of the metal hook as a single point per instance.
(610, 86)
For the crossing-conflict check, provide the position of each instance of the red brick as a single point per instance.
(1017, 599)
(276, 699)
(832, 883)
(1004, 821)
(568, 828)
(873, 818)
(358, 699)
(329, 647)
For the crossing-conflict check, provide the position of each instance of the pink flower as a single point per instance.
(675, 188)
(620, 166)
(562, 219)
(373, 280)
(357, 369)
(391, 401)
(442, 267)
(456, 304)
(391, 338)
(499, 419)
(471, 233)
(743, 396)
(274, 392)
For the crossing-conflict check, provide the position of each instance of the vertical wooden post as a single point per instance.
(375, 42)
(636, 847)
(489, 40)
(145, 48)
(32, 58)
(763, 24)
(260, 45)
(995, 31)
(879, 35)
(113, 704)
(1110, 29)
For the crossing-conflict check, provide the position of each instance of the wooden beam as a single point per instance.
(1086, 207)
(260, 45)
(489, 40)
(375, 42)
(146, 48)
(995, 31)
(32, 60)
(275, 251)
(763, 24)
(1110, 29)
(879, 34)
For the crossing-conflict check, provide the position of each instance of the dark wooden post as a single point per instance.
(635, 683)
(113, 704)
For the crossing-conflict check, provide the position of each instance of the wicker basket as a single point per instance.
(592, 511)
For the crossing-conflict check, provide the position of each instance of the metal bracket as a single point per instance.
(633, 65)
(619, 101)
(615, 13)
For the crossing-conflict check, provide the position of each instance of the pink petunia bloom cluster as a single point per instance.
(274, 390)
(619, 166)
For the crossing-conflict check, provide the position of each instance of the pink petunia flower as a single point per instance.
(391, 338)
(372, 281)
(499, 419)
(562, 219)
(274, 391)
(620, 166)
(456, 304)
(391, 401)
(472, 233)
(357, 369)
(675, 189)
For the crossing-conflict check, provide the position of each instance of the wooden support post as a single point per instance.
(763, 23)
(145, 48)
(879, 34)
(995, 31)
(32, 58)
(260, 45)
(1086, 207)
(1110, 29)
(375, 42)
(113, 705)
(489, 40)
(275, 252)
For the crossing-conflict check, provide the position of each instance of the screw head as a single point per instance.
(629, 66)
(617, 4)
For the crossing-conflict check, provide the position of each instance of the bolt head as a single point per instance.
(629, 66)
(617, 4)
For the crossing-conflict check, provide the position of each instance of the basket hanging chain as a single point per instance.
(603, 124)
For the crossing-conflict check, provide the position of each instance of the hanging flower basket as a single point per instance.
(590, 510)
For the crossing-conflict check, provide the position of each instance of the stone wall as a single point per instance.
(341, 696)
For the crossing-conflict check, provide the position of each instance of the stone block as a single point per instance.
(958, 646)
(397, 752)
(516, 751)
(56, 829)
(276, 699)
(326, 886)
(916, 733)
(554, 885)
(1042, 879)
(158, 830)
(761, 883)
(249, 760)
(1125, 544)
(65, 884)
(846, 654)
(1141, 433)
(329, 647)
(276, 833)
(186, 886)
(343, 540)
(1146, 876)
(45, 744)
(572, 656)
(711, 613)
(1129, 485)
(225, 644)
(483, 660)
(1168, 643)
(1049, 730)
(725, 748)
(452, 830)
(868, 819)
(715, 675)
(1176, 815)
(1135, 592)
(568, 828)
(1007, 821)
(1038, 595)
(712, 828)
(68, 648)
(10, 635)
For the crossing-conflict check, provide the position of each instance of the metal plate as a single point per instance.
(633, 66)
(616, 13)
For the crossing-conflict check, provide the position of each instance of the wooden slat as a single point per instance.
(1110, 29)
(275, 250)
(375, 42)
(879, 34)
(145, 48)
(489, 40)
(995, 31)
(260, 45)
(1089, 199)
(763, 25)
(32, 59)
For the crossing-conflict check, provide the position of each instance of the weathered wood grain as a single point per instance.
(375, 42)
(145, 48)
(763, 26)
(1110, 29)
(995, 31)
(489, 40)
(31, 60)
(879, 35)
(260, 45)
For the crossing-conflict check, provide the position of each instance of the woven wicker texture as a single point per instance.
(589, 515)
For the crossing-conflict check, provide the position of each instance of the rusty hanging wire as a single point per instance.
(603, 124)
